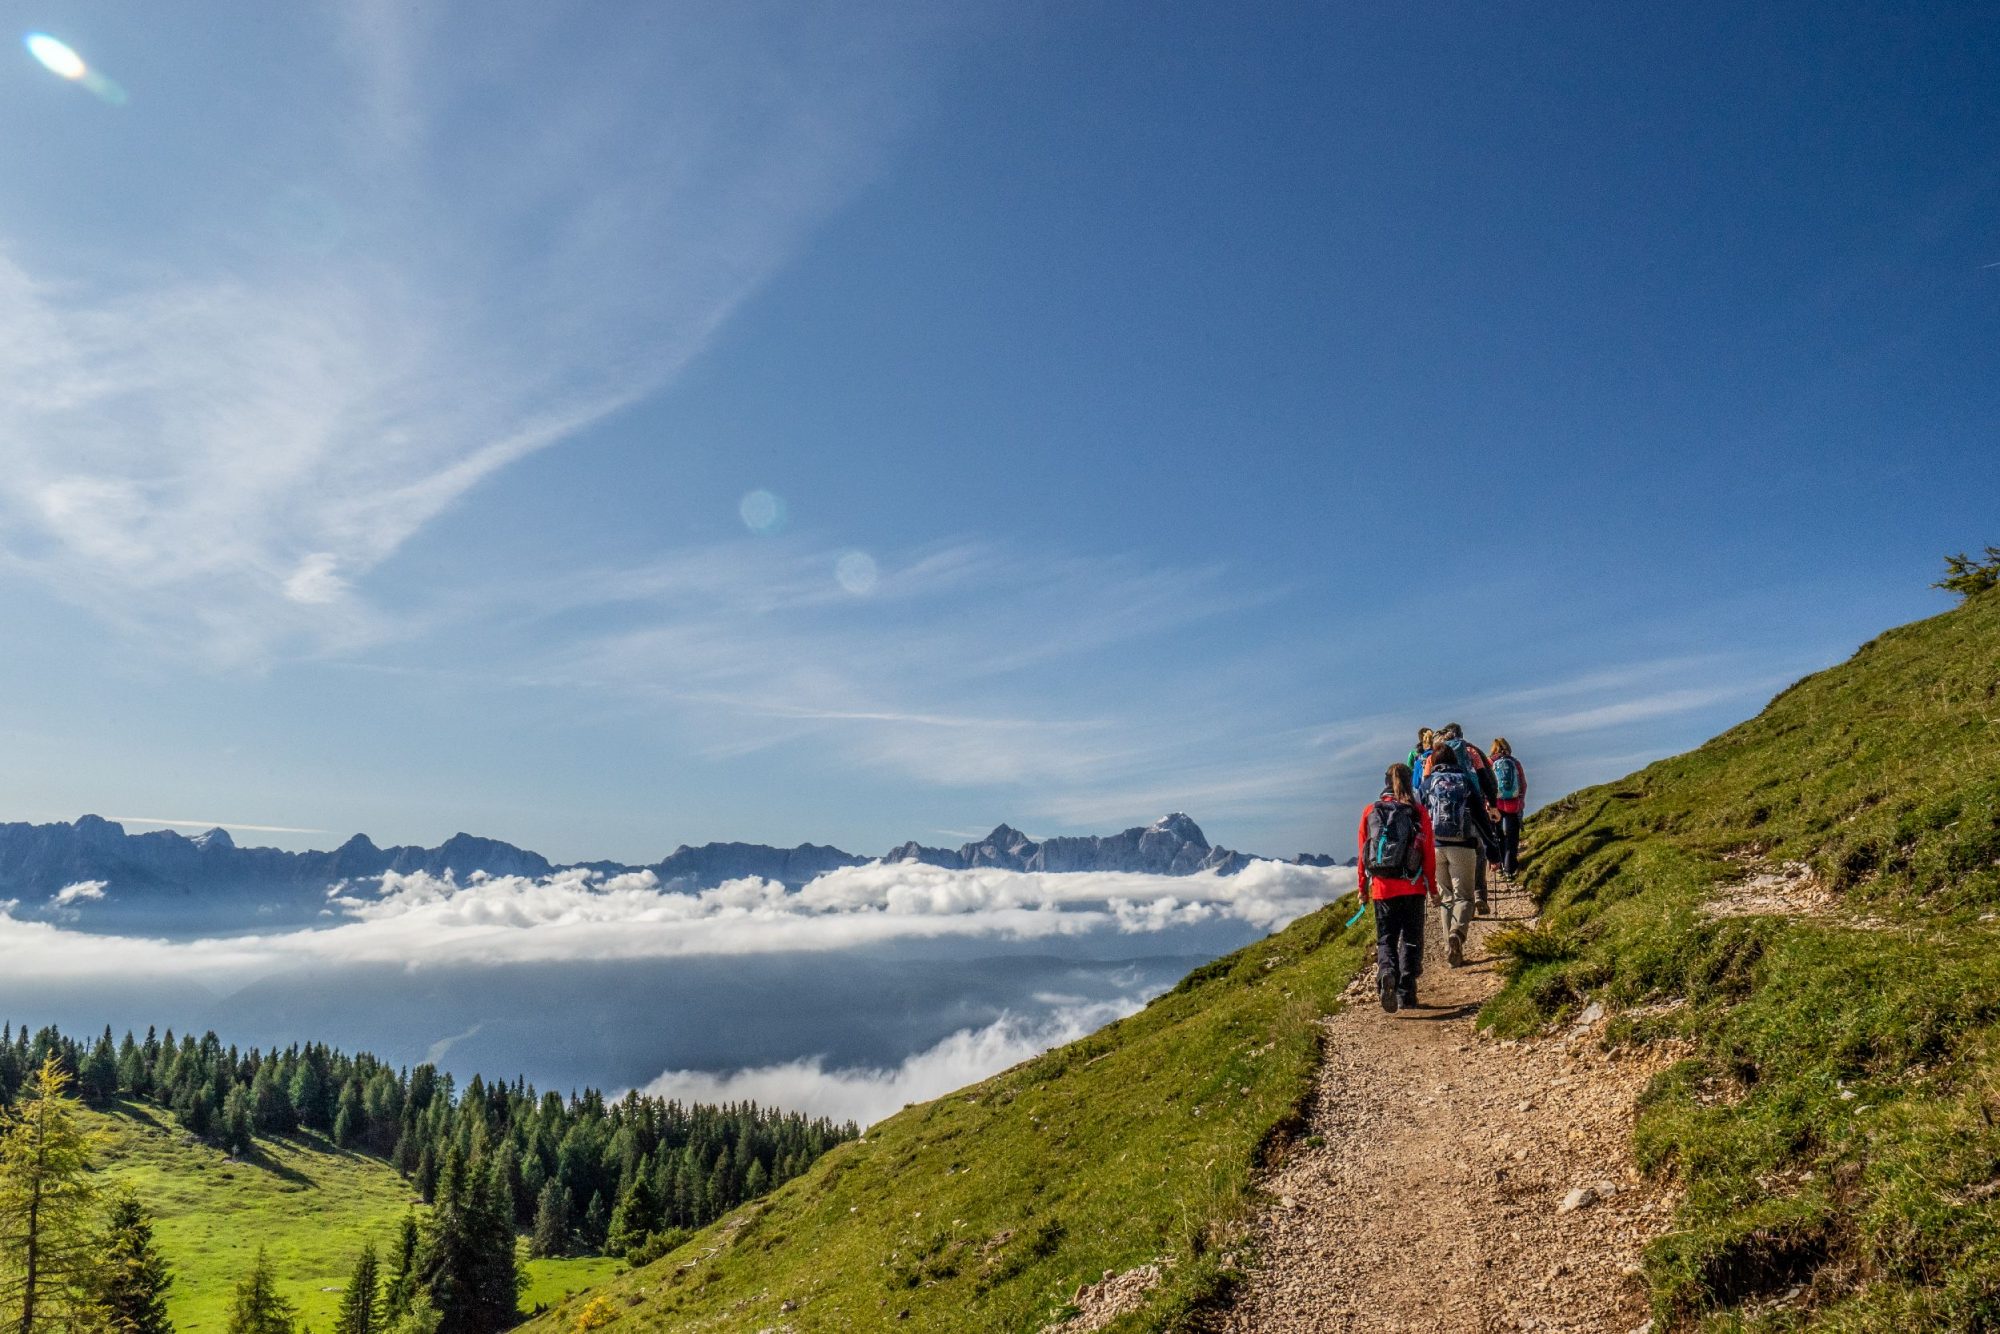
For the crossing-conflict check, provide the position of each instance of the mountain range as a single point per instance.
(163, 880)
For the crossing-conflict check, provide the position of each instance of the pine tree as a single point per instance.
(1968, 576)
(636, 1217)
(551, 1234)
(351, 1119)
(132, 1071)
(270, 1106)
(237, 1121)
(596, 1220)
(361, 1304)
(98, 1079)
(132, 1278)
(258, 1308)
(48, 1233)
(405, 1282)
(493, 1277)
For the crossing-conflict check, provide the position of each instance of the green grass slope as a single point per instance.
(312, 1206)
(1833, 1126)
(986, 1209)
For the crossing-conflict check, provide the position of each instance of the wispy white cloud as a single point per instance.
(216, 824)
(868, 1094)
(217, 456)
(83, 891)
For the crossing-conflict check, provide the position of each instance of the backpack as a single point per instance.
(1507, 773)
(1475, 766)
(1394, 850)
(1448, 794)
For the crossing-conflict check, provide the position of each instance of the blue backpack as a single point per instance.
(1507, 773)
(1448, 794)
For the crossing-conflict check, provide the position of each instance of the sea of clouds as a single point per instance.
(871, 987)
(419, 921)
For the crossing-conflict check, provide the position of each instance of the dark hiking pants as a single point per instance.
(1399, 939)
(1510, 837)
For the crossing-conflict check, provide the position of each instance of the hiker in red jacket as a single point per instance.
(1396, 865)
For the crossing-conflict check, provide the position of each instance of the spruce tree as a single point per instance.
(258, 1309)
(492, 1275)
(48, 1221)
(98, 1079)
(361, 1304)
(351, 1119)
(551, 1234)
(237, 1122)
(270, 1106)
(132, 1279)
(596, 1221)
(405, 1280)
(636, 1217)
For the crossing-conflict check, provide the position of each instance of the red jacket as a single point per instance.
(1386, 887)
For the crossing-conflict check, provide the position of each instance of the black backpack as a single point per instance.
(1394, 851)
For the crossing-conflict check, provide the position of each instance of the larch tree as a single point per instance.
(48, 1214)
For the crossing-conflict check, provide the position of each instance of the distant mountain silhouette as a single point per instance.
(162, 880)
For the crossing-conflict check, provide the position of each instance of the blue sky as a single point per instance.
(1166, 406)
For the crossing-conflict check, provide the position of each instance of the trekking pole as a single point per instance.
(1357, 914)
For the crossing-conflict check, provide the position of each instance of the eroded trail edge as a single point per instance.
(1451, 1182)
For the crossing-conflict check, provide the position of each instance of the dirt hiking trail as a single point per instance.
(1450, 1182)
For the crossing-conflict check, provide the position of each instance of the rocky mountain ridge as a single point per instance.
(169, 872)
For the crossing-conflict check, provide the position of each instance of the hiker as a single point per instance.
(1511, 779)
(1415, 759)
(1397, 861)
(1474, 762)
(1470, 758)
(1459, 827)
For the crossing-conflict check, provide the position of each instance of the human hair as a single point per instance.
(1396, 782)
(1500, 747)
(1452, 732)
(1444, 755)
(1424, 737)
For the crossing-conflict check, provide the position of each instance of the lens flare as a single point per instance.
(763, 513)
(56, 56)
(856, 572)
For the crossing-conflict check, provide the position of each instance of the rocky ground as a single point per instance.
(1450, 1182)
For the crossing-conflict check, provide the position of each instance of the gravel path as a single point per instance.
(1458, 1183)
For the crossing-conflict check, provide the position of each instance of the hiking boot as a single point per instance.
(1387, 986)
(1454, 951)
(1407, 997)
(1479, 907)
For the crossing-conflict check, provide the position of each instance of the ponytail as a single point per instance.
(1397, 783)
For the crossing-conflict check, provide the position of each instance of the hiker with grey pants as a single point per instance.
(1458, 824)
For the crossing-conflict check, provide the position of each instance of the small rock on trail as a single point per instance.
(1439, 1197)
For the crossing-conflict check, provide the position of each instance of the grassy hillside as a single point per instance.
(311, 1205)
(986, 1209)
(1834, 1124)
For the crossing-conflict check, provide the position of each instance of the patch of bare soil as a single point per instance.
(1449, 1182)
(1098, 1304)
(1789, 890)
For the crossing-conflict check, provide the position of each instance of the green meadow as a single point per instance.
(310, 1205)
